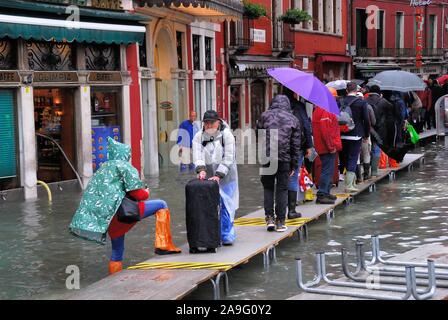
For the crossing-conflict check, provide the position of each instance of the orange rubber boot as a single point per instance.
(115, 266)
(393, 163)
(164, 241)
(383, 161)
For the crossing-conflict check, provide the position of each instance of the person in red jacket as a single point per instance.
(327, 142)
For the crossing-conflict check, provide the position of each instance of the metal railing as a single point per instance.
(283, 37)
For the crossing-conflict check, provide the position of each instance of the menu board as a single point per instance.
(99, 143)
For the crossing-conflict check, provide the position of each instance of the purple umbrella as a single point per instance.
(307, 86)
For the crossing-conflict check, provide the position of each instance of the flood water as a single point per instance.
(36, 247)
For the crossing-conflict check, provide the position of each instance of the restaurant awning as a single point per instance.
(62, 30)
(214, 10)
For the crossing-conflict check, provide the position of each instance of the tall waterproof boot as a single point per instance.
(359, 173)
(115, 266)
(367, 172)
(292, 202)
(393, 163)
(350, 178)
(164, 241)
(383, 161)
(374, 166)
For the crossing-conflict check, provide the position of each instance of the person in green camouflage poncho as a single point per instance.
(95, 215)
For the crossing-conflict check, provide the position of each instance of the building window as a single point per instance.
(142, 54)
(180, 49)
(103, 57)
(8, 54)
(197, 97)
(399, 30)
(432, 38)
(361, 29)
(208, 53)
(51, 56)
(196, 52)
(380, 32)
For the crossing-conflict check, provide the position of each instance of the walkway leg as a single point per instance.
(216, 293)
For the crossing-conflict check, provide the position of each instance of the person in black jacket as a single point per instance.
(299, 110)
(351, 141)
(279, 121)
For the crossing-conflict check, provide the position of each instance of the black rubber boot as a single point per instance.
(292, 202)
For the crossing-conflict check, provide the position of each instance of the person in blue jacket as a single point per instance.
(187, 130)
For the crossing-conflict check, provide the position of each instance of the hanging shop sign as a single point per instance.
(420, 3)
(105, 77)
(55, 76)
(100, 4)
(419, 37)
(9, 76)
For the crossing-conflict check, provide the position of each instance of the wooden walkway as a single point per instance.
(437, 252)
(175, 276)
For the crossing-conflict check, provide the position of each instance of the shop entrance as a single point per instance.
(257, 101)
(166, 107)
(54, 118)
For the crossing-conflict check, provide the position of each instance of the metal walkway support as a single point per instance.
(216, 285)
(270, 255)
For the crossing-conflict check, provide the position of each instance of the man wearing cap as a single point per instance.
(214, 158)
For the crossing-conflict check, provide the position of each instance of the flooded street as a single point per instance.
(36, 247)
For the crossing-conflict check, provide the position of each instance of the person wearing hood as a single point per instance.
(96, 215)
(288, 147)
(214, 157)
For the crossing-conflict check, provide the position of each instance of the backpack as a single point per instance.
(345, 118)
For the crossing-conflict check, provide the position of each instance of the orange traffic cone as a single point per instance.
(115, 266)
(164, 241)
(383, 161)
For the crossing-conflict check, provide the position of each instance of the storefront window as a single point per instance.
(106, 119)
(142, 54)
(8, 54)
(103, 57)
(197, 96)
(54, 121)
(208, 93)
(51, 56)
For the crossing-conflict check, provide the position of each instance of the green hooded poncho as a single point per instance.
(104, 193)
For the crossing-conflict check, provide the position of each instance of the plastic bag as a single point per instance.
(412, 133)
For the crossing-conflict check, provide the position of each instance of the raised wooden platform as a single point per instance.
(437, 252)
(174, 276)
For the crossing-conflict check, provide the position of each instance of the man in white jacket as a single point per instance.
(214, 157)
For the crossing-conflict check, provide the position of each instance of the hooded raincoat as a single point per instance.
(104, 193)
(217, 155)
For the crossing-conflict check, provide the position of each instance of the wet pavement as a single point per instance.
(36, 247)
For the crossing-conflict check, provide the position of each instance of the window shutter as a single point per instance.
(7, 135)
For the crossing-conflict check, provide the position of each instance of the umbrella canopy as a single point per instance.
(338, 84)
(397, 80)
(441, 80)
(307, 86)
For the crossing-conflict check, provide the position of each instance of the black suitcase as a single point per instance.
(203, 215)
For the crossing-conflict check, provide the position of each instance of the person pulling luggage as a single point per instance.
(214, 157)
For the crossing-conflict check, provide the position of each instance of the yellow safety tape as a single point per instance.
(343, 195)
(182, 265)
(259, 222)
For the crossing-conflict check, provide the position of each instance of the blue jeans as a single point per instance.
(350, 154)
(376, 151)
(326, 173)
(151, 207)
(228, 235)
(293, 184)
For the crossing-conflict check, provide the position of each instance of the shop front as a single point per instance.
(180, 70)
(64, 92)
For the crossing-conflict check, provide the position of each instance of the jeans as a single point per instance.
(293, 184)
(151, 207)
(350, 154)
(279, 183)
(327, 172)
